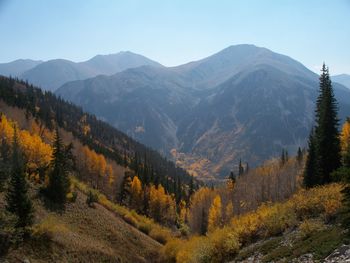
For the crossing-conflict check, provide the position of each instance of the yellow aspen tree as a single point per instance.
(6, 128)
(214, 217)
(110, 174)
(182, 212)
(228, 212)
(345, 136)
(136, 193)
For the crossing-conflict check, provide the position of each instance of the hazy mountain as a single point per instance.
(243, 102)
(343, 79)
(145, 102)
(52, 74)
(17, 67)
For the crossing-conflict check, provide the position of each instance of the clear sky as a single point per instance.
(173, 32)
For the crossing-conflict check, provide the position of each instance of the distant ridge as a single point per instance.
(52, 74)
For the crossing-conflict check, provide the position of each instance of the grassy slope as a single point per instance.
(84, 234)
(292, 246)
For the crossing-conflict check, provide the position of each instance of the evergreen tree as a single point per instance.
(204, 223)
(232, 177)
(326, 138)
(125, 189)
(4, 163)
(310, 166)
(191, 188)
(240, 168)
(283, 157)
(58, 186)
(299, 155)
(17, 200)
(246, 167)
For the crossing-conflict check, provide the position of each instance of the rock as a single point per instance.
(340, 255)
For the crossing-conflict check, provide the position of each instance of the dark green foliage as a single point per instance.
(310, 166)
(299, 155)
(91, 199)
(125, 190)
(58, 186)
(325, 140)
(17, 200)
(232, 177)
(4, 163)
(283, 157)
(240, 168)
(204, 223)
(191, 188)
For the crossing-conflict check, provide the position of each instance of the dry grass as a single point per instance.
(83, 234)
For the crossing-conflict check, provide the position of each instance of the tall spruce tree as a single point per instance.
(58, 186)
(310, 166)
(325, 156)
(17, 200)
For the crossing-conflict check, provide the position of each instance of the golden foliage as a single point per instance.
(162, 207)
(215, 216)
(345, 136)
(38, 153)
(49, 227)
(310, 226)
(136, 193)
(268, 220)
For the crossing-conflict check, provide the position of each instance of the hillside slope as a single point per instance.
(83, 234)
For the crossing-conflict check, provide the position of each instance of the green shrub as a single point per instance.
(309, 227)
(91, 199)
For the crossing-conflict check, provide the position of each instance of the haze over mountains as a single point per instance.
(52, 74)
(244, 102)
(343, 79)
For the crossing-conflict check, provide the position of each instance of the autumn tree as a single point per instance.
(136, 193)
(231, 181)
(162, 207)
(58, 185)
(198, 212)
(17, 199)
(345, 143)
(215, 214)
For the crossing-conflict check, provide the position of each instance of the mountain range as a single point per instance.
(50, 75)
(243, 103)
(343, 79)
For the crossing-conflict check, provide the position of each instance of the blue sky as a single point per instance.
(176, 31)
